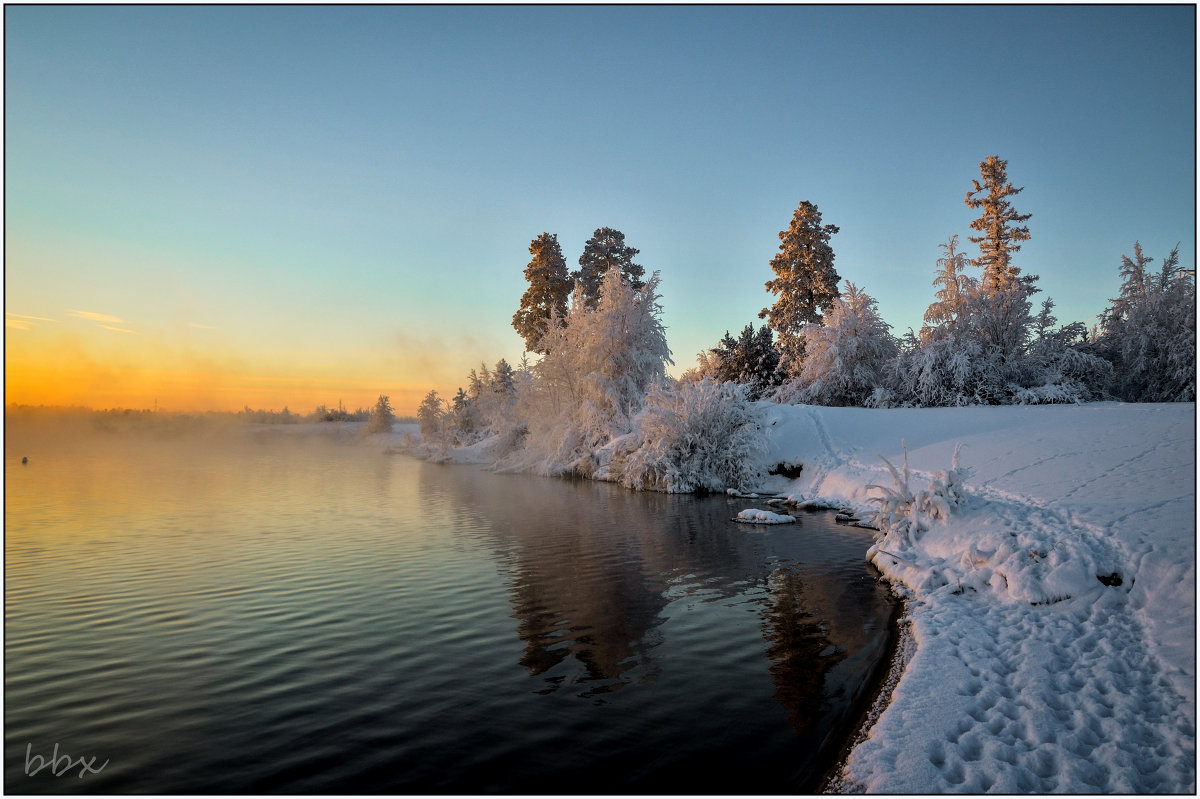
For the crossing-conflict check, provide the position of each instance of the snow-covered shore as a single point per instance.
(1033, 670)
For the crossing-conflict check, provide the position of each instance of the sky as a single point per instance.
(209, 207)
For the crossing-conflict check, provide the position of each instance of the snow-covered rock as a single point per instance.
(756, 516)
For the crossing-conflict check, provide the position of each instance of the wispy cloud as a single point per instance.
(199, 326)
(10, 315)
(97, 317)
(118, 329)
(20, 321)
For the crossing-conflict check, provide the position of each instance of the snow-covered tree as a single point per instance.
(475, 384)
(382, 417)
(1044, 321)
(950, 306)
(1000, 234)
(461, 420)
(549, 289)
(592, 381)
(750, 360)
(1068, 371)
(845, 361)
(805, 282)
(502, 378)
(603, 251)
(429, 415)
(1149, 331)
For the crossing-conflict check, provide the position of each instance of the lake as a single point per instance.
(257, 610)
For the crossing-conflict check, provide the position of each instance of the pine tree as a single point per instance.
(1000, 237)
(805, 281)
(549, 289)
(603, 251)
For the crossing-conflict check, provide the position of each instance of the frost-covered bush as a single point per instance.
(950, 371)
(904, 514)
(845, 361)
(701, 436)
(1078, 374)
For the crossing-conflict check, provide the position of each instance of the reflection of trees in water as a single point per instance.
(796, 638)
(818, 642)
(590, 566)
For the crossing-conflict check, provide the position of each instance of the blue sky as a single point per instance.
(325, 194)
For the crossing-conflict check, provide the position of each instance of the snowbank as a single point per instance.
(1053, 612)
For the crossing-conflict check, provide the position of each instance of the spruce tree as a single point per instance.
(1044, 321)
(1001, 236)
(502, 378)
(549, 289)
(382, 416)
(950, 305)
(429, 415)
(805, 281)
(750, 360)
(1003, 308)
(603, 251)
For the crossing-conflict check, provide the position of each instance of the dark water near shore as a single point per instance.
(276, 613)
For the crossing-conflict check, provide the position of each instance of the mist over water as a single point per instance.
(231, 608)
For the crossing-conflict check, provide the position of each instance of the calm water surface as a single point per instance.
(268, 612)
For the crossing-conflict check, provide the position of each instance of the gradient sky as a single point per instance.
(216, 206)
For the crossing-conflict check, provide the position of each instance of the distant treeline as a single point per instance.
(320, 414)
(112, 417)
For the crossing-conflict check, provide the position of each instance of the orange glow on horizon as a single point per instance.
(70, 375)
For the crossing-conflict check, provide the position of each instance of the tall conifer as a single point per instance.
(805, 281)
(998, 224)
(549, 289)
(603, 251)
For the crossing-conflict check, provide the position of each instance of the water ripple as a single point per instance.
(287, 615)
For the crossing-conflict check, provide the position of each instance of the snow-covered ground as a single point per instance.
(1031, 668)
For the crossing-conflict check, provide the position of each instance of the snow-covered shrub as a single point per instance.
(949, 371)
(904, 514)
(701, 436)
(844, 360)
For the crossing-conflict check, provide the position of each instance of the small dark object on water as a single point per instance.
(25, 460)
(1111, 580)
